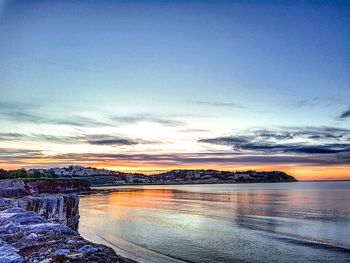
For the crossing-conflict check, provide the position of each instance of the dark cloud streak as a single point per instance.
(197, 159)
(345, 114)
(309, 141)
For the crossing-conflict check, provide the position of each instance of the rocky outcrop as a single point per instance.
(18, 187)
(12, 188)
(61, 208)
(41, 228)
(37, 236)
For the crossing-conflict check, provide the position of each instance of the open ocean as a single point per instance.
(280, 222)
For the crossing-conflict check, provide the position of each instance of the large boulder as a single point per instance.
(62, 208)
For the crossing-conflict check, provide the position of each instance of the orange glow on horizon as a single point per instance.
(304, 173)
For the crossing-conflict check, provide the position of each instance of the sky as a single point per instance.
(158, 85)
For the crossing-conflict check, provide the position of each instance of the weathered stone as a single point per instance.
(31, 236)
(71, 242)
(42, 235)
(8, 254)
(56, 185)
(62, 251)
(26, 218)
(48, 228)
(62, 208)
(12, 188)
(87, 249)
(6, 204)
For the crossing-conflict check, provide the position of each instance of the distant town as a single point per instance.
(96, 176)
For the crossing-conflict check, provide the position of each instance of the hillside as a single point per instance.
(198, 176)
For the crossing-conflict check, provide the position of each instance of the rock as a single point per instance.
(8, 254)
(71, 242)
(6, 204)
(9, 228)
(26, 218)
(14, 210)
(48, 229)
(12, 188)
(62, 251)
(38, 235)
(61, 208)
(87, 249)
(31, 236)
(56, 185)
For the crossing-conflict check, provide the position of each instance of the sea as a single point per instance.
(266, 222)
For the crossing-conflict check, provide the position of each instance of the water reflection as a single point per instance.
(280, 222)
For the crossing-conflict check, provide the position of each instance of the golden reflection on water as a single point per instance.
(241, 201)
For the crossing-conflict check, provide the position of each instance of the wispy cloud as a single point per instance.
(218, 104)
(93, 139)
(15, 153)
(307, 103)
(23, 112)
(145, 117)
(194, 130)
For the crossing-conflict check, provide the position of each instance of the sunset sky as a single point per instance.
(176, 84)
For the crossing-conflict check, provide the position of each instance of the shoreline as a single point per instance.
(43, 228)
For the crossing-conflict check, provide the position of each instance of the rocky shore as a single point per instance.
(42, 227)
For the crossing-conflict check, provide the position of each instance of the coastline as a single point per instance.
(39, 219)
(42, 228)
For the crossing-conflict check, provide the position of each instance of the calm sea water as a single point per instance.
(283, 222)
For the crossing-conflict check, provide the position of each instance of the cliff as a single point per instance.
(56, 185)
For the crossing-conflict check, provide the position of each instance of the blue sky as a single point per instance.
(179, 71)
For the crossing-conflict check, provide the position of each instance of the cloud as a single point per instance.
(144, 117)
(93, 139)
(110, 140)
(25, 112)
(34, 137)
(194, 130)
(174, 159)
(345, 114)
(14, 153)
(307, 140)
(218, 104)
(307, 102)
